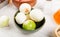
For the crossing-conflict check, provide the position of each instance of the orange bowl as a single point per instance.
(17, 3)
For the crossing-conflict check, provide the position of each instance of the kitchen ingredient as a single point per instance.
(36, 15)
(57, 17)
(28, 17)
(2, 1)
(10, 1)
(4, 21)
(20, 18)
(57, 32)
(29, 25)
(17, 3)
(25, 7)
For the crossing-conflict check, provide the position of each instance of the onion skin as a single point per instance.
(17, 3)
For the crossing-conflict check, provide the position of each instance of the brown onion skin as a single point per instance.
(17, 3)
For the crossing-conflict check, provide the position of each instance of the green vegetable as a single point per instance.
(29, 25)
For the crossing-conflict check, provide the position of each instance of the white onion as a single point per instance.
(25, 7)
(36, 15)
(20, 18)
(4, 21)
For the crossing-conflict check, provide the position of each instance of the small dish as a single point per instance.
(38, 24)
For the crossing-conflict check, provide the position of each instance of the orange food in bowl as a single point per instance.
(17, 3)
(57, 17)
